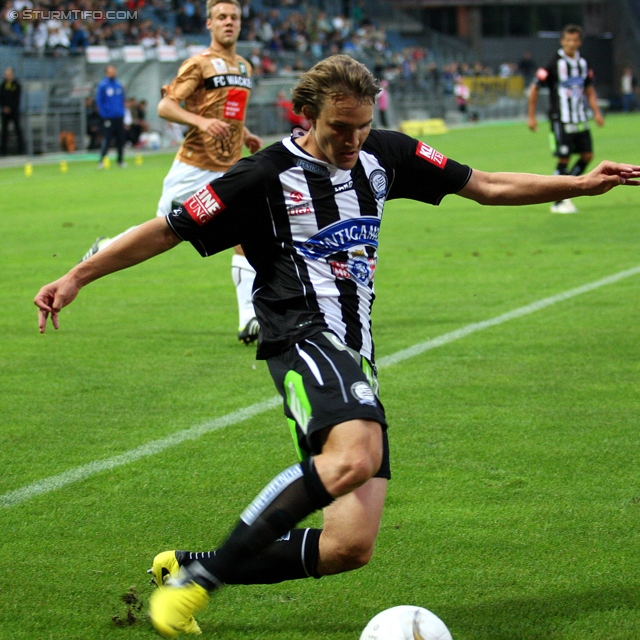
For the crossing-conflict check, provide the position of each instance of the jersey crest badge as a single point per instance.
(379, 183)
(363, 393)
(243, 68)
(219, 65)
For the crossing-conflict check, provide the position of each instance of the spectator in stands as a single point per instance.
(526, 68)
(269, 67)
(383, 103)
(57, 36)
(198, 20)
(10, 93)
(79, 38)
(285, 107)
(629, 86)
(110, 100)
(39, 36)
(461, 93)
(94, 124)
(138, 120)
(10, 26)
(178, 40)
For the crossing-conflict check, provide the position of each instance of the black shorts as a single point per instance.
(570, 138)
(324, 383)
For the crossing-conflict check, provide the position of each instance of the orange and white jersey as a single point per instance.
(213, 85)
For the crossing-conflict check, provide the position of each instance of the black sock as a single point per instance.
(292, 557)
(293, 495)
(561, 169)
(578, 167)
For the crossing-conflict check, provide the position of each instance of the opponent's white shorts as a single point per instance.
(182, 181)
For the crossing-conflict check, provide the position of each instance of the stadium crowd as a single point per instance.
(281, 34)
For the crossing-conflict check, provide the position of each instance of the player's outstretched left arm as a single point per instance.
(144, 242)
(528, 188)
(252, 142)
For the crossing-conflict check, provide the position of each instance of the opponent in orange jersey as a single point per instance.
(214, 87)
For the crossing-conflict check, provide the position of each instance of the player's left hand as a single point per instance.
(599, 119)
(52, 298)
(608, 175)
(253, 143)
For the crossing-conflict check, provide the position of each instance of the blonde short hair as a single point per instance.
(334, 77)
(213, 3)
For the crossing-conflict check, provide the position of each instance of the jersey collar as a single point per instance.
(293, 148)
(563, 55)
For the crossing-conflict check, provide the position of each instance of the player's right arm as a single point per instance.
(188, 80)
(533, 101)
(170, 109)
(146, 241)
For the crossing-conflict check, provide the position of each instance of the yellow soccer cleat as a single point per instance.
(165, 565)
(171, 608)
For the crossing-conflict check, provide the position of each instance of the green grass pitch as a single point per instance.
(514, 511)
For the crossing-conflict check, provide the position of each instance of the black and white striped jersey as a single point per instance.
(566, 78)
(311, 230)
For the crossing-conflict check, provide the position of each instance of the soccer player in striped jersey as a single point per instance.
(570, 81)
(307, 211)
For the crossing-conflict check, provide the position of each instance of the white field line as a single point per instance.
(52, 483)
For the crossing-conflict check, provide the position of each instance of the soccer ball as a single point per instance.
(406, 623)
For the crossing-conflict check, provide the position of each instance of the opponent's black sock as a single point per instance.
(561, 169)
(578, 167)
(292, 557)
(293, 495)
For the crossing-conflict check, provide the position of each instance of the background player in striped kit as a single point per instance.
(570, 80)
(307, 211)
(214, 86)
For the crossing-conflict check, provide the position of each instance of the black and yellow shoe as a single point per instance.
(249, 333)
(165, 565)
(171, 608)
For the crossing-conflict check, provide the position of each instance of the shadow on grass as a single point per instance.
(539, 618)
(543, 618)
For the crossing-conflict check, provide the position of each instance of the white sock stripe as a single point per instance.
(304, 544)
(52, 483)
(270, 493)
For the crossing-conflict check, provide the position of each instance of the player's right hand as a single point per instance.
(215, 128)
(52, 298)
(532, 124)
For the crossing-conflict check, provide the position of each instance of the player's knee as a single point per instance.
(349, 556)
(356, 557)
(358, 466)
(586, 157)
